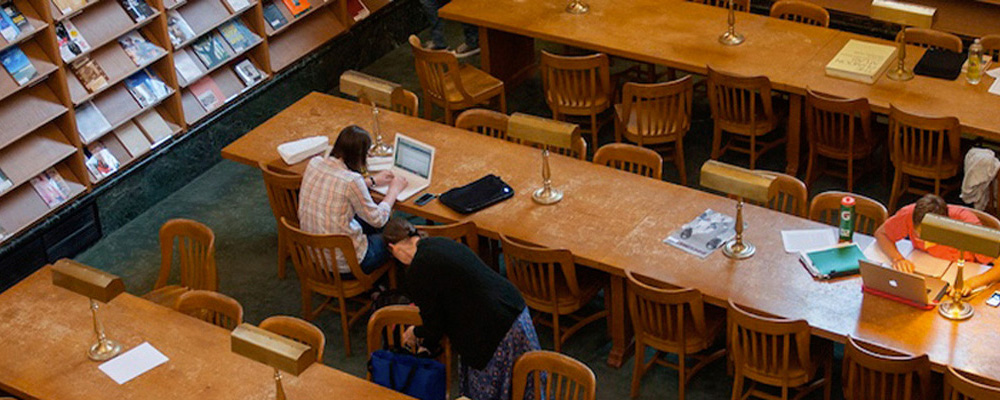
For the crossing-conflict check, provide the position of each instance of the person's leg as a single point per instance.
(376, 255)
(471, 45)
(437, 25)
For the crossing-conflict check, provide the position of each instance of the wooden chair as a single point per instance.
(931, 39)
(991, 46)
(578, 149)
(657, 115)
(212, 307)
(777, 352)
(743, 107)
(870, 373)
(839, 130)
(825, 208)
(577, 86)
(985, 218)
(283, 194)
(671, 321)
(385, 331)
(316, 266)
(738, 5)
(195, 259)
(450, 86)
(565, 377)
(788, 195)
(924, 149)
(630, 158)
(403, 101)
(959, 386)
(801, 11)
(484, 122)
(551, 283)
(298, 330)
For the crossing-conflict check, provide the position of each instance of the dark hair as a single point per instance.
(399, 229)
(931, 204)
(352, 147)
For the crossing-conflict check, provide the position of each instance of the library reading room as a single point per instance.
(500, 199)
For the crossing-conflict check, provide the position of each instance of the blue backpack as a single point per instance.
(419, 377)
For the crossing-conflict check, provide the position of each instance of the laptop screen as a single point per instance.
(413, 157)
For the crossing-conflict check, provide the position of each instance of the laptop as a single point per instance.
(918, 290)
(412, 160)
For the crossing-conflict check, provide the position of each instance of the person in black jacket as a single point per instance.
(480, 311)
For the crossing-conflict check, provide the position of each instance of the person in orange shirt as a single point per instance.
(906, 224)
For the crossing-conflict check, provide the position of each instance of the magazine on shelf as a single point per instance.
(357, 9)
(274, 17)
(5, 182)
(138, 10)
(15, 15)
(71, 42)
(211, 50)
(132, 138)
(187, 67)
(154, 126)
(68, 6)
(297, 7)
(237, 35)
(18, 65)
(91, 122)
(101, 163)
(140, 50)
(8, 29)
(51, 187)
(90, 74)
(703, 235)
(208, 93)
(178, 29)
(236, 6)
(146, 87)
(248, 72)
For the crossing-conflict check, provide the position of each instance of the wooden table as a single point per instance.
(684, 35)
(615, 221)
(46, 331)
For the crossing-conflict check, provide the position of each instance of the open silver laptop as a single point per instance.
(918, 289)
(414, 161)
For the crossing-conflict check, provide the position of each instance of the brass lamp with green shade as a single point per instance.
(904, 14)
(744, 184)
(965, 237)
(273, 350)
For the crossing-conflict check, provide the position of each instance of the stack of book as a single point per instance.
(861, 61)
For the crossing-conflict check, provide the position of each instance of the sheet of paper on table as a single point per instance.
(133, 363)
(995, 87)
(813, 239)
(994, 72)
(924, 263)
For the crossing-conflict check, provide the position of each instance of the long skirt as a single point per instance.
(494, 381)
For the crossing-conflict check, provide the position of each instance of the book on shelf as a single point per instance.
(297, 7)
(357, 9)
(248, 72)
(146, 87)
(5, 182)
(187, 68)
(208, 93)
(138, 10)
(237, 35)
(15, 15)
(68, 6)
(91, 122)
(236, 6)
(273, 16)
(90, 74)
(51, 187)
(101, 162)
(861, 61)
(132, 139)
(71, 42)
(178, 28)
(18, 65)
(212, 50)
(8, 29)
(154, 127)
(140, 50)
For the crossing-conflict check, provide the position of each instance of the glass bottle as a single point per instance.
(974, 69)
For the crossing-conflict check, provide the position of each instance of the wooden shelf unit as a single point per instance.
(229, 84)
(22, 206)
(306, 35)
(117, 65)
(204, 16)
(103, 24)
(37, 25)
(237, 55)
(44, 67)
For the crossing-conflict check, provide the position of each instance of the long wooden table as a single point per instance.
(615, 221)
(684, 35)
(46, 331)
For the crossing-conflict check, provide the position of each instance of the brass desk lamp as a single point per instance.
(98, 286)
(273, 350)
(965, 237)
(904, 14)
(546, 132)
(744, 184)
(730, 37)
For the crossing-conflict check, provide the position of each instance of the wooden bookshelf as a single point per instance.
(119, 107)
(229, 84)
(237, 55)
(27, 111)
(292, 19)
(375, 5)
(22, 206)
(33, 154)
(43, 65)
(105, 23)
(305, 36)
(37, 25)
(117, 65)
(205, 16)
(60, 15)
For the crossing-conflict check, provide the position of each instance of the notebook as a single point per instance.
(832, 262)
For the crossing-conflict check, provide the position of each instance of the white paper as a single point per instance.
(133, 363)
(379, 163)
(874, 254)
(814, 239)
(994, 73)
(924, 263)
(995, 87)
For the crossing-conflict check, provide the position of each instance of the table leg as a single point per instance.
(794, 133)
(620, 324)
(507, 56)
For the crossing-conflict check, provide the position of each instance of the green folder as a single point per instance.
(832, 262)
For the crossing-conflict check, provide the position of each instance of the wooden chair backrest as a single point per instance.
(959, 386)
(484, 122)
(387, 324)
(578, 151)
(985, 218)
(195, 245)
(738, 5)
(923, 142)
(660, 110)
(282, 193)
(437, 70)
(565, 377)
(837, 126)
(298, 330)
(825, 208)
(463, 232)
(801, 11)
(539, 273)
(401, 100)
(788, 195)
(574, 82)
(931, 39)
(767, 346)
(991, 46)
(630, 158)
(212, 307)
(871, 374)
(314, 257)
(660, 315)
(739, 100)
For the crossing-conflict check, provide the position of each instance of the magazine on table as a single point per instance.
(140, 50)
(146, 87)
(51, 187)
(178, 29)
(703, 235)
(71, 42)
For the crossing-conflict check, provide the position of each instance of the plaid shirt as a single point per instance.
(330, 196)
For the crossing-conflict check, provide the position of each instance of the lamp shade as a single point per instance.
(902, 13)
(736, 181)
(357, 84)
(960, 235)
(542, 130)
(271, 349)
(86, 280)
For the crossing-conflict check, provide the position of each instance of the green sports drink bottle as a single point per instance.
(847, 219)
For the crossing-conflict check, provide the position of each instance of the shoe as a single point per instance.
(464, 50)
(429, 45)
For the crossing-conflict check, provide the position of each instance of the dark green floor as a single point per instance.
(230, 198)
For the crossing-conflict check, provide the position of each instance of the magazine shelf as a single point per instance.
(27, 111)
(104, 24)
(118, 107)
(292, 19)
(204, 16)
(33, 154)
(22, 206)
(173, 4)
(116, 65)
(305, 36)
(228, 62)
(59, 15)
(36, 23)
(43, 65)
(229, 86)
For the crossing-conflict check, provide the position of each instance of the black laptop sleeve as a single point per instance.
(477, 195)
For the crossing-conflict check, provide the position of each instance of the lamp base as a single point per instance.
(956, 311)
(738, 251)
(731, 39)
(899, 74)
(104, 350)
(577, 7)
(546, 197)
(380, 150)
